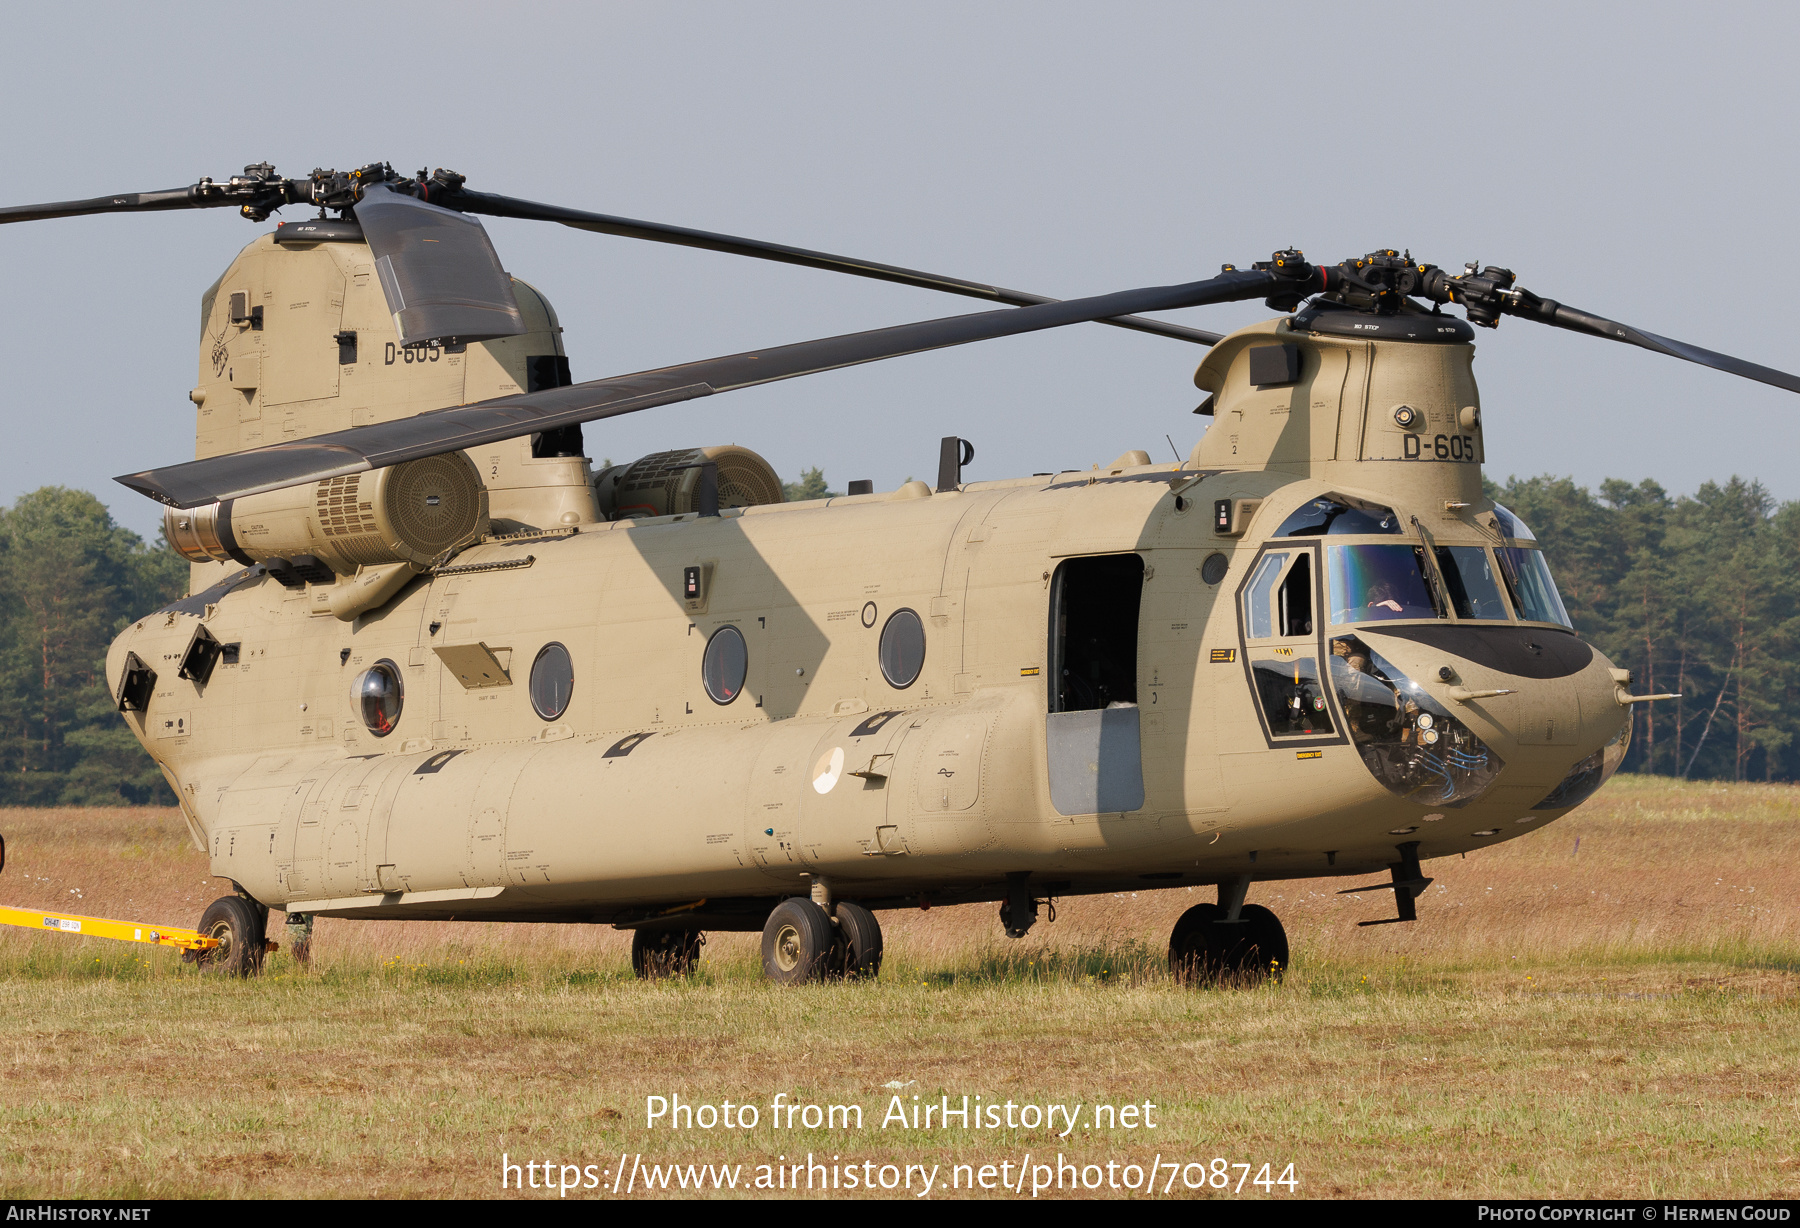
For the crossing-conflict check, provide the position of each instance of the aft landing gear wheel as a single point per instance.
(660, 953)
(1205, 950)
(857, 953)
(238, 926)
(797, 942)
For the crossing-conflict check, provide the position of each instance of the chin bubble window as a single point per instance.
(902, 649)
(377, 696)
(1409, 742)
(552, 681)
(725, 664)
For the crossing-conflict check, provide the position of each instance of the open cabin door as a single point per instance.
(1095, 749)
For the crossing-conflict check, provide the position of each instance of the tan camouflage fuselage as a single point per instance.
(647, 795)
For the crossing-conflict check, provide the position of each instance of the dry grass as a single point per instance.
(1619, 1021)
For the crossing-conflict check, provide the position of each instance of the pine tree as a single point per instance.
(70, 579)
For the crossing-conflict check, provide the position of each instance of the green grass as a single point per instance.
(1618, 1022)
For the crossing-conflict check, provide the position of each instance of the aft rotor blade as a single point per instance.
(449, 430)
(493, 205)
(123, 202)
(1576, 320)
(441, 275)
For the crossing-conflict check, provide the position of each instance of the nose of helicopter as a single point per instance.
(1524, 715)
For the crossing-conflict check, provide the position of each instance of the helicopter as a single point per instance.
(433, 665)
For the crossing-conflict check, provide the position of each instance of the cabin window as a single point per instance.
(902, 652)
(377, 696)
(726, 662)
(552, 681)
(1094, 632)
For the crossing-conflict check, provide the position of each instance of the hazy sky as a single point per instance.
(1635, 160)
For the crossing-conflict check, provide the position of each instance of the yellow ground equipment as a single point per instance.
(101, 927)
(230, 938)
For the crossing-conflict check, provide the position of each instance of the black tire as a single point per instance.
(1205, 951)
(1196, 947)
(797, 942)
(858, 949)
(662, 953)
(235, 922)
(1262, 952)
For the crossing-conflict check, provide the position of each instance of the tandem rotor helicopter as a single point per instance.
(434, 666)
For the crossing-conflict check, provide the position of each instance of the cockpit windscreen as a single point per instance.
(1378, 582)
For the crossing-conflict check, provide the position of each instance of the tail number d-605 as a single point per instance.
(1439, 447)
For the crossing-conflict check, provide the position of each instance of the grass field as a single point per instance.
(1605, 1007)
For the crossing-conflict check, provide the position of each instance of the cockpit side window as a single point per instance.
(1533, 591)
(1259, 596)
(1281, 645)
(1297, 597)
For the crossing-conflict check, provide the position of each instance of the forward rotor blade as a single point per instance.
(441, 275)
(449, 430)
(124, 202)
(507, 206)
(1576, 320)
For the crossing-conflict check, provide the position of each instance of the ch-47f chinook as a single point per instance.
(433, 666)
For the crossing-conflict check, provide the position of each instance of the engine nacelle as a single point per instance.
(408, 513)
(668, 483)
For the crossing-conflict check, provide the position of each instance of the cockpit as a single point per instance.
(1316, 680)
(1379, 581)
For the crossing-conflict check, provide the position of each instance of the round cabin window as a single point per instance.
(902, 649)
(552, 681)
(377, 697)
(726, 661)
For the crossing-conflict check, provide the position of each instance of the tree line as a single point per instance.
(70, 580)
(1694, 594)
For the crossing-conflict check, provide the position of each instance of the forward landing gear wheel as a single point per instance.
(1204, 950)
(237, 925)
(661, 953)
(797, 942)
(857, 953)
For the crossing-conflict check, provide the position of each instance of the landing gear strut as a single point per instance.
(1228, 943)
(1019, 910)
(299, 937)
